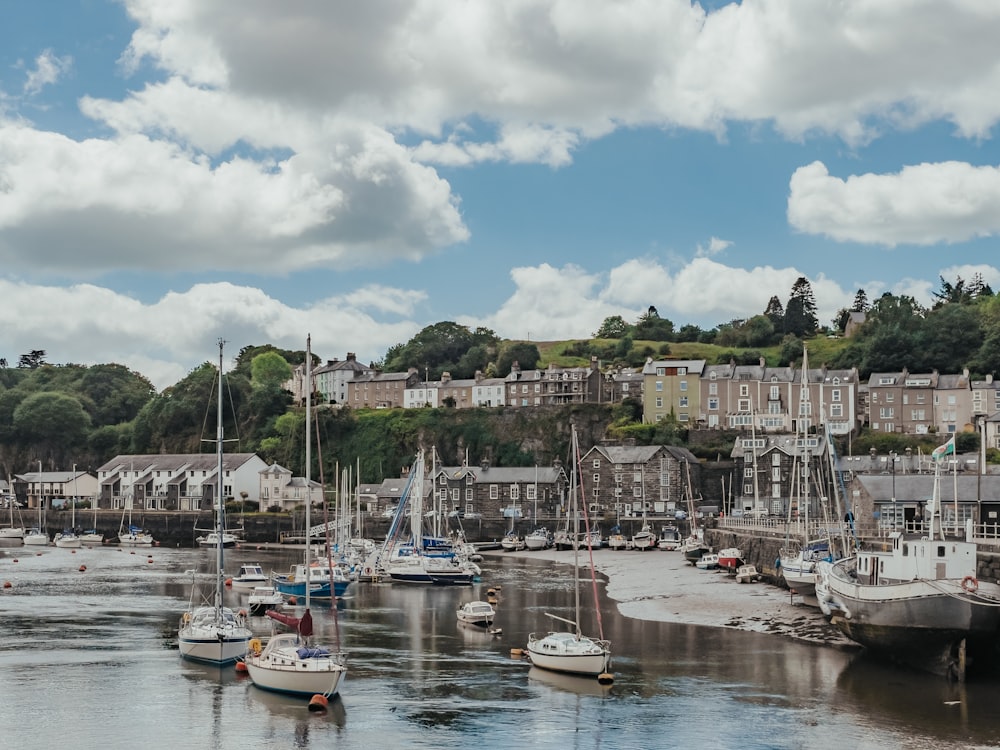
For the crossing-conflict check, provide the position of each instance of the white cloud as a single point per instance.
(714, 247)
(48, 69)
(164, 340)
(923, 204)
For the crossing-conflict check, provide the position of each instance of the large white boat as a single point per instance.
(213, 633)
(211, 539)
(538, 539)
(799, 567)
(570, 651)
(36, 537)
(919, 602)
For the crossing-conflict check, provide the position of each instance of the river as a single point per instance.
(89, 660)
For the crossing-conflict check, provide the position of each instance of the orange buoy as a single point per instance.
(229, 581)
(293, 601)
(15, 559)
(318, 703)
(605, 678)
(241, 666)
(72, 551)
(150, 560)
(6, 584)
(83, 568)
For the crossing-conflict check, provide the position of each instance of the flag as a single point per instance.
(943, 450)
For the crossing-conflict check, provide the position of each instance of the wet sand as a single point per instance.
(663, 587)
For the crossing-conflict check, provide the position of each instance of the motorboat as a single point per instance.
(263, 598)
(324, 581)
(730, 558)
(747, 574)
(249, 576)
(476, 613)
(707, 562)
(211, 539)
(670, 538)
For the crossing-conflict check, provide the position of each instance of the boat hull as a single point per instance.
(932, 625)
(210, 650)
(316, 590)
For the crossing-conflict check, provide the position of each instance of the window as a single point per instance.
(661, 371)
(744, 389)
(836, 410)
(494, 492)
(515, 492)
(684, 385)
(659, 385)
(470, 494)
(835, 395)
(531, 492)
(683, 402)
(885, 412)
(456, 494)
(743, 405)
(775, 392)
(713, 388)
(713, 404)
(637, 492)
(597, 463)
(659, 402)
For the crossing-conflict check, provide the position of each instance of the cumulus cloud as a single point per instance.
(48, 69)
(714, 247)
(923, 204)
(164, 339)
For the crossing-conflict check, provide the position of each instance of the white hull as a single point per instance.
(92, 540)
(210, 650)
(12, 533)
(68, 541)
(135, 540)
(535, 543)
(213, 636)
(564, 652)
(280, 669)
(36, 540)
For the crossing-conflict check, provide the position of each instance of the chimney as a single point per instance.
(351, 357)
(445, 377)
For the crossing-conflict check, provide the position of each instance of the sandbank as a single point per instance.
(663, 587)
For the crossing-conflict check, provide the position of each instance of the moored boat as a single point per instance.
(707, 562)
(476, 613)
(730, 558)
(919, 602)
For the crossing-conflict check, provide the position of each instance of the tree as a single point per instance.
(31, 360)
(526, 355)
(269, 369)
(652, 327)
(439, 348)
(55, 420)
(115, 392)
(860, 301)
(800, 312)
(775, 313)
(613, 327)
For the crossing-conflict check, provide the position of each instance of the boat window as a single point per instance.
(906, 550)
(940, 551)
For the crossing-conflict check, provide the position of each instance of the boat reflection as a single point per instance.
(569, 683)
(290, 707)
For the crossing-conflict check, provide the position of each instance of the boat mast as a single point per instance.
(576, 536)
(308, 471)
(220, 507)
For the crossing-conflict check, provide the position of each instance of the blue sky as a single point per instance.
(172, 173)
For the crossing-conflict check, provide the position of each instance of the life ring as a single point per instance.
(970, 584)
(368, 571)
(255, 645)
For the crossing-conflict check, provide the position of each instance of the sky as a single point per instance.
(173, 173)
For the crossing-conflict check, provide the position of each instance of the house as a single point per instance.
(495, 491)
(380, 390)
(176, 481)
(626, 479)
(671, 387)
(553, 386)
(52, 489)
(774, 469)
(280, 488)
(331, 379)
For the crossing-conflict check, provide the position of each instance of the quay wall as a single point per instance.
(762, 548)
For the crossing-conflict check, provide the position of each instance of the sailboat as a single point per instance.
(68, 537)
(215, 634)
(93, 537)
(413, 563)
(130, 535)
(644, 539)
(37, 536)
(570, 651)
(919, 602)
(290, 662)
(11, 535)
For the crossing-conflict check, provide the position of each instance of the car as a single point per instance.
(389, 512)
(680, 515)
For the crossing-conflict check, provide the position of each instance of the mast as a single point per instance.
(576, 538)
(219, 514)
(308, 463)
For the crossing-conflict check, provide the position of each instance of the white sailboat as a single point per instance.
(68, 537)
(11, 535)
(37, 536)
(92, 537)
(290, 663)
(570, 651)
(214, 633)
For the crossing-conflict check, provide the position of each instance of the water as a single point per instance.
(89, 660)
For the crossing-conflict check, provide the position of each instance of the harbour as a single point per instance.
(91, 649)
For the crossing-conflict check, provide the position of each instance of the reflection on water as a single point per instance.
(101, 644)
